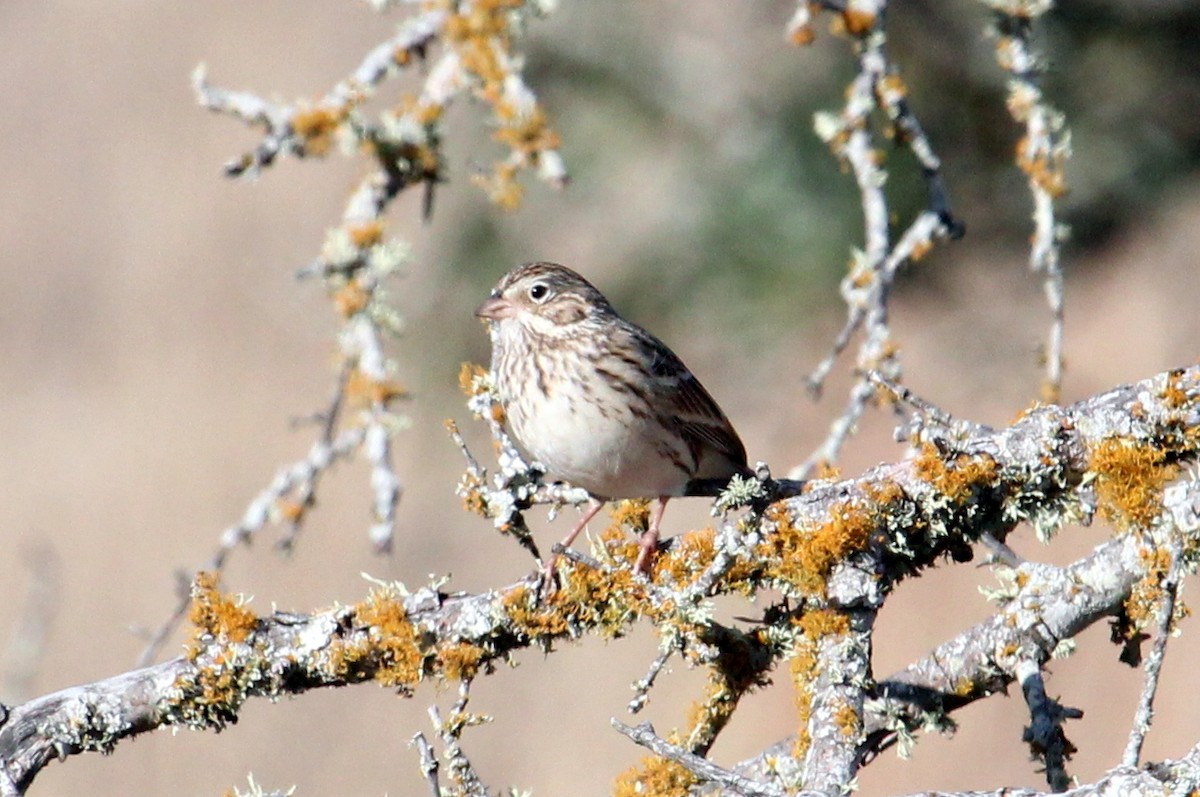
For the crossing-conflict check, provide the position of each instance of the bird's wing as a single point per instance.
(694, 412)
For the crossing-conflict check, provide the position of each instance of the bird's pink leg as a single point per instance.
(649, 541)
(594, 507)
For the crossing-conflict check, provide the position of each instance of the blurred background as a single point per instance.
(156, 347)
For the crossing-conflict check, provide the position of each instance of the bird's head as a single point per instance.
(544, 298)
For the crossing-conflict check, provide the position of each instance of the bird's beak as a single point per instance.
(495, 309)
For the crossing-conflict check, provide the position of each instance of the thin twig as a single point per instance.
(1166, 613)
(903, 394)
(307, 491)
(641, 688)
(1044, 735)
(261, 510)
(429, 763)
(1042, 155)
(866, 289)
(577, 557)
(462, 771)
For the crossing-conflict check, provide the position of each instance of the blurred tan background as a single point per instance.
(155, 345)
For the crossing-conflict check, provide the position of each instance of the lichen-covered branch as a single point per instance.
(476, 40)
(1171, 778)
(852, 137)
(835, 551)
(705, 770)
(1186, 511)
(1042, 154)
(1044, 735)
(1043, 607)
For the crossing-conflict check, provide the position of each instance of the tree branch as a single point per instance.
(896, 519)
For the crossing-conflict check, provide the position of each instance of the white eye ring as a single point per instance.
(539, 292)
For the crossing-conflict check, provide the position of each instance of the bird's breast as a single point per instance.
(596, 439)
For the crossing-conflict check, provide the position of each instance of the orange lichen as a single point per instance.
(654, 777)
(481, 38)
(892, 87)
(498, 414)
(885, 493)
(617, 544)
(502, 186)
(362, 390)
(726, 686)
(1050, 392)
(827, 470)
(484, 18)
(1174, 394)
(861, 277)
(480, 34)
(608, 600)
(707, 719)
(920, 249)
(422, 112)
(858, 22)
(471, 487)
(959, 479)
(315, 126)
(1130, 477)
(459, 661)
(532, 617)
(690, 554)
(1141, 606)
(847, 720)
(853, 21)
(804, 557)
(803, 669)
(802, 35)
(365, 234)
(392, 641)
(351, 299)
(821, 623)
(528, 133)
(471, 378)
(805, 665)
(847, 531)
(216, 615)
(473, 501)
(633, 514)
(290, 511)
(1046, 171)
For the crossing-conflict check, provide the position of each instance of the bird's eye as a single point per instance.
(538, 291)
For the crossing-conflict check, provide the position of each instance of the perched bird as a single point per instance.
(599, 401)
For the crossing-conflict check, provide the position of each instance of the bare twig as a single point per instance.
(429, 763)
(641, 688)
(306, 492)
(903, 394)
